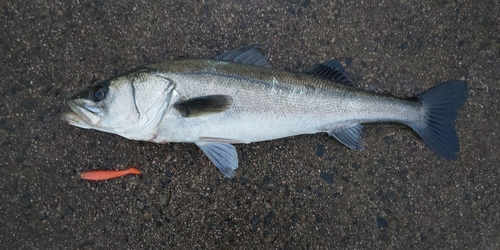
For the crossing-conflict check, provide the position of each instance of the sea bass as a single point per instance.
(235, 97)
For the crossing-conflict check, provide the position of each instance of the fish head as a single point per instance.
(129, 105)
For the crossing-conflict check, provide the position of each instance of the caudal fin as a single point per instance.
(442, 103)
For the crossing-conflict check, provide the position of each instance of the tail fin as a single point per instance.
(442, 103)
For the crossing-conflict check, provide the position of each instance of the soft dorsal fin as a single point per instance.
(204, 105)
(246, 55)
(331, 70)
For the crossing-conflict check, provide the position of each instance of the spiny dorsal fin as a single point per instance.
(246, 55)
(204, 105)
(331, 70)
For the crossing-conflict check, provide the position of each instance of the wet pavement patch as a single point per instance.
(320, 150)
(382, 223)
(328, 177)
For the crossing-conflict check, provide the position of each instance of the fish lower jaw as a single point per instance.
(73, 119)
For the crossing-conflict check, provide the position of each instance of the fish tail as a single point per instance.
(441, 103)
(134, 171)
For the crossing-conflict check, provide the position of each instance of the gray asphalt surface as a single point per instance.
(305, 192)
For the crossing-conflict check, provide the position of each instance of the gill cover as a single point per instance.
(130, 105)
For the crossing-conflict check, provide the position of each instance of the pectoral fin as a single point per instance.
(223, 155)
(204, 105)
(350, 136)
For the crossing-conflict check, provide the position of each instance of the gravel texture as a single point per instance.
(304, 192)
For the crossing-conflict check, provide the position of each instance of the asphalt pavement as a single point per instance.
(303, 192)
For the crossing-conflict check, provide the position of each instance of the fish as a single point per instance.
(236, 97)
(102, 175)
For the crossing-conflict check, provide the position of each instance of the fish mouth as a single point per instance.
(77, 116)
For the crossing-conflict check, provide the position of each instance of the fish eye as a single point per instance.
(99, 92)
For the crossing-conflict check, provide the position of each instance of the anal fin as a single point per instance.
(350, 136)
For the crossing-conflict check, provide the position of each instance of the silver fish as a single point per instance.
(235, 97)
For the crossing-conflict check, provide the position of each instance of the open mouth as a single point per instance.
(77, 116)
